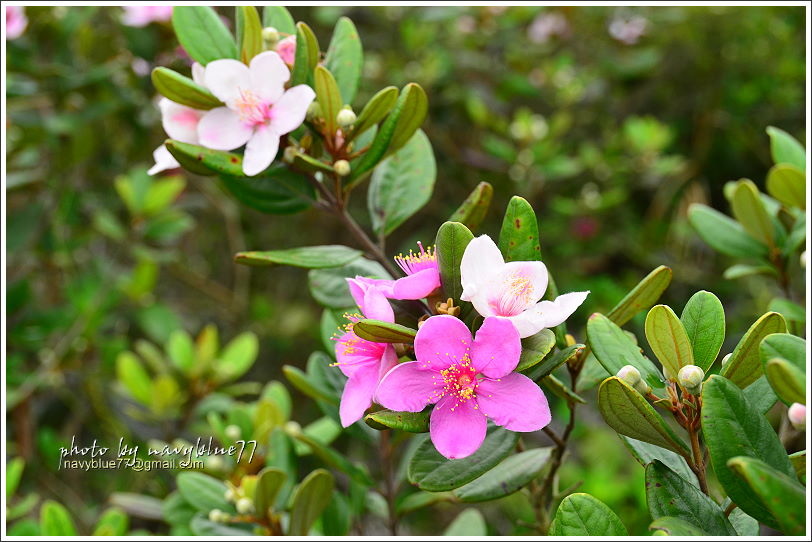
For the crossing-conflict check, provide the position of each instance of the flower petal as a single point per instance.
(527, 323)
(199, 73)
(226, 78)
(370, 300)
(180, 122)
(457, 429)
(408, 388)
(515, 402)
(480, 261)
(357, 395)
(222, 129)
(517, 286)
(163, 160)
(260, 150)
(441, 341)
(497, 348)
(416, 286)
(268, 76)
(354, 354)
(288, 113)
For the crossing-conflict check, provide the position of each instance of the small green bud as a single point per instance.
(313, 110)
(690, 378)
(230, 495)
(233, 432)
(346, 117)
(215, 515)
(289, 154)
(215, 462)
(629, 374)
(342, 167)
(270, 36)
(642, 387)
(293, 428)
(245, 505)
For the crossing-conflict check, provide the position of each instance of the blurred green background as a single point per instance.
(609, 120)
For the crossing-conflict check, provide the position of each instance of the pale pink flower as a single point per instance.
(286, 48)
(797, 416)
(512, 290)
(422, 276)
(469, 380)
(547, 25)
(258, 109)
(143, 15)
(363, 362)
(180, 123)
(628, 31)
(16, 22)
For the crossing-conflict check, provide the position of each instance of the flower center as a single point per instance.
(514, 297)
(459, 381)
(350, 344)
(417, 261)
(251, 109)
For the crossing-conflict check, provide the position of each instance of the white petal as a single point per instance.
(225, 78)
(260, 151)
(180, 122)
(268, 76)
(163, 160)
(548, 314)
(288, 113)
(199, 74)
(480, 261)
(222, 129)
(528, 323)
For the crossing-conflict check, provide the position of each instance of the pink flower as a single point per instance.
(547, 25)
(286, 48)
(258, 108)
(628, 31)
(422, 276)
(797, 416)
(143, 15)
(363, 362)
(16, 22)
(512, 290)
(469, 381)
(180, 123)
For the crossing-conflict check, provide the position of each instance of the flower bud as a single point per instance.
(803, 259)
(346, 117)
(797, 416)
(629, 374)
(229, 494)
(233, 432)
(289, 154)
(313, 110)
(690, 378)
(293, 428)
(245, 505)
(727, 357)
(642, 387)
(342, 167)
(215, 515)
(270, 36)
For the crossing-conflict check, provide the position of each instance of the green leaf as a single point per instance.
(135, 379)
(744, 365)
(203, 492)
(704, 321)
(183, 90)
(181, 351)
(237, 357)
(317, 257)
(505, 478)
(205, 161)
(307, 55)
(749, 210)
(642, 296)
(249, 32)
(270, 481)
(724, 234)
(452, 238)
(535, 348)
(745, 525)
(280, 18)
(788, 381)
(201, 526)
(786, 346)
(581, 514)
(469, 523)
(277, 191)
(473, 210)
(760, 395)
(741, 270)
(203, 34)
(335, 460)
(668, 339)
(560, 389)
(798, 460)
(675, 527)
(668, 494)
(401, 185)
(113, 522)
(329, 286)
(413, 422)
(328, 96)
(787, 184)
(55, 520)
(789, 310)
(161, 194)
(307, 385)
(628, 413)
(14, 471)
(786, 149)
(519, 237)
(383, 332)
(374, 111)
(430, 471)
(781, 494)
(552, 362)
(421, 499)
(345, 58)
(731, 427)
(614, 349)
(645, 453)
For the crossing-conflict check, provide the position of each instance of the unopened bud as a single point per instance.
(289, 154)
(233, 432)
(215, 462)
(293, 428)
(642, 387)
(313, 110)
(270, 36)
(245, 505)
(690, 378)
(215, 515)
(342, 167)
(230, 495)
(726, 358)
(346, 117)
(797, 416)
(629, 374)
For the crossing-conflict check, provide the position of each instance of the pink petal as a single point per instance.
(416, 286)
(163, 160)
(357, 395)
(441, 342)
(226, 78)
(457, 429)
(288, 113)
(260, 150)
(497, 348)
(180, 122)
(480, 261)
(354, 354)
(515, 402)
(268, 76)
(370, 300)
(386, 286)
(408, 388)
(222, 129)
(517, 286)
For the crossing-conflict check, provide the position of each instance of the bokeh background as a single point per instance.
(609, 120)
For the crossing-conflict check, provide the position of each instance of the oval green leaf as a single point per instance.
(413, 422)
(787, 184)
(581, 514)
(642, 296)
(309, 500)
(270, 481)
(744, 365)
(788, 381)
(318, 257)
(203, 34)
(785, 346)
(203, 492)
(375, 110)
(535, 348)
(668, 340)
(329, 98)
(472, 211)
(55, 520)
(345, 58)
(551, 362)
(786, 149)
(280, 18)
(306, 57)
(724, 234)
(614, 349)
(182, 90)
(452, 238)
(645, 453)
(749, 210)
(519, 237)
(703, 319)
(505, 478)
(383, 332)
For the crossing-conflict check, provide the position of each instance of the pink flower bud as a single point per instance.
(797, 416)
(286, 48)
